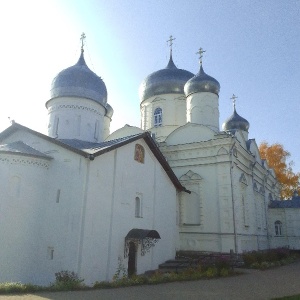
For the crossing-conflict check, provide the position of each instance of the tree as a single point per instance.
(276, 157)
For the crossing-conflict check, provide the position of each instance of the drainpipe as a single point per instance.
(232, 198)
(256, 208)
(265, 209)
(82, 217)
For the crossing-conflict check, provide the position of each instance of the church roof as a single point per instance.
(95, 148)
(79, 81)
(16, 127)
(200, 83)
(293, 203)
(235, 122)
(21, 148)
(92, 150)
(169, 80)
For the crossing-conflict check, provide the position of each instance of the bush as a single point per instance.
(17, 287)
(223, 262)
(102, 285)
(66, 280)
(224, 272)
(267, 259)
(211, 272)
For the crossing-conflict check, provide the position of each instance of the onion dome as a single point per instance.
(109, 111)
(202, 82)
(235, 122)
(79, 81)
(169, 80)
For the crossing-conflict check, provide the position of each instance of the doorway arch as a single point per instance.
(131, 259)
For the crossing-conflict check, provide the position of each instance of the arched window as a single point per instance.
(278, 228)
(158, 117)
(138, 207)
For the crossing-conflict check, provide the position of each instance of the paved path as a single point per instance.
(253, 284)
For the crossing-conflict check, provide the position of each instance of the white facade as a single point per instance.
(72, 211)
(72, 202)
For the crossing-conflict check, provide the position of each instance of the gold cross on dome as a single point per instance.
(200, 52)
(234, 97)
(82, 38)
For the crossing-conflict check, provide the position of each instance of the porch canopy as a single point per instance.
(145, 237)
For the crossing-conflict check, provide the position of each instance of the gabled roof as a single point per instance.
(21, 148)
(294, 203)
(99, 148)
(15, 127)
(92, 150)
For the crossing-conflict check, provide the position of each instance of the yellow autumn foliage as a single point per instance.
(276, 157)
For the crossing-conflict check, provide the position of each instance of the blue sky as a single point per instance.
(252, 49)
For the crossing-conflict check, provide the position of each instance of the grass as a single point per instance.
(68, 281)
(295, 297)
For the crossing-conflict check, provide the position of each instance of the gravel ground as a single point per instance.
(283, 281)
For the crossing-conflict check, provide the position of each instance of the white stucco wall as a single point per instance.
(290, 231)
(115, 180)
(43, 220)
(173, 114)
(79, 118)
(203, 108)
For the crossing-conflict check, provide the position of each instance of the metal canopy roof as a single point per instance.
(142, 234)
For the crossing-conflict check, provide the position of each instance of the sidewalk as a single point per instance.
(254, 284)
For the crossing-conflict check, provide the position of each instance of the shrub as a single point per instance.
(17, 287)
(121, 272)
(66, 280)
(268, 259)
(224, 272)
(222, 262)
(102, 285)
(211, 272)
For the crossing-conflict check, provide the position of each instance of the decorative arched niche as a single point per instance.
(191, 204)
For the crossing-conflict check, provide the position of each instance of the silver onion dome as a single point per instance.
(202, 82)
(79, 81)
(169, 80)
(235, 122)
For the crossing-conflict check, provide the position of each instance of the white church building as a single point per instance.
(84, 200)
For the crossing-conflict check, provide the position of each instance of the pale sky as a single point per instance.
(252, 49)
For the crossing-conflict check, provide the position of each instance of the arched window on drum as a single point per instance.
(158, 117)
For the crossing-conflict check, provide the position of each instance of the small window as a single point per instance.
(158, 117)
(96, 131)
(55, 127)
(50, 253)
(58, 196)
(138, 207)
(278, 228)
(139, 153)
